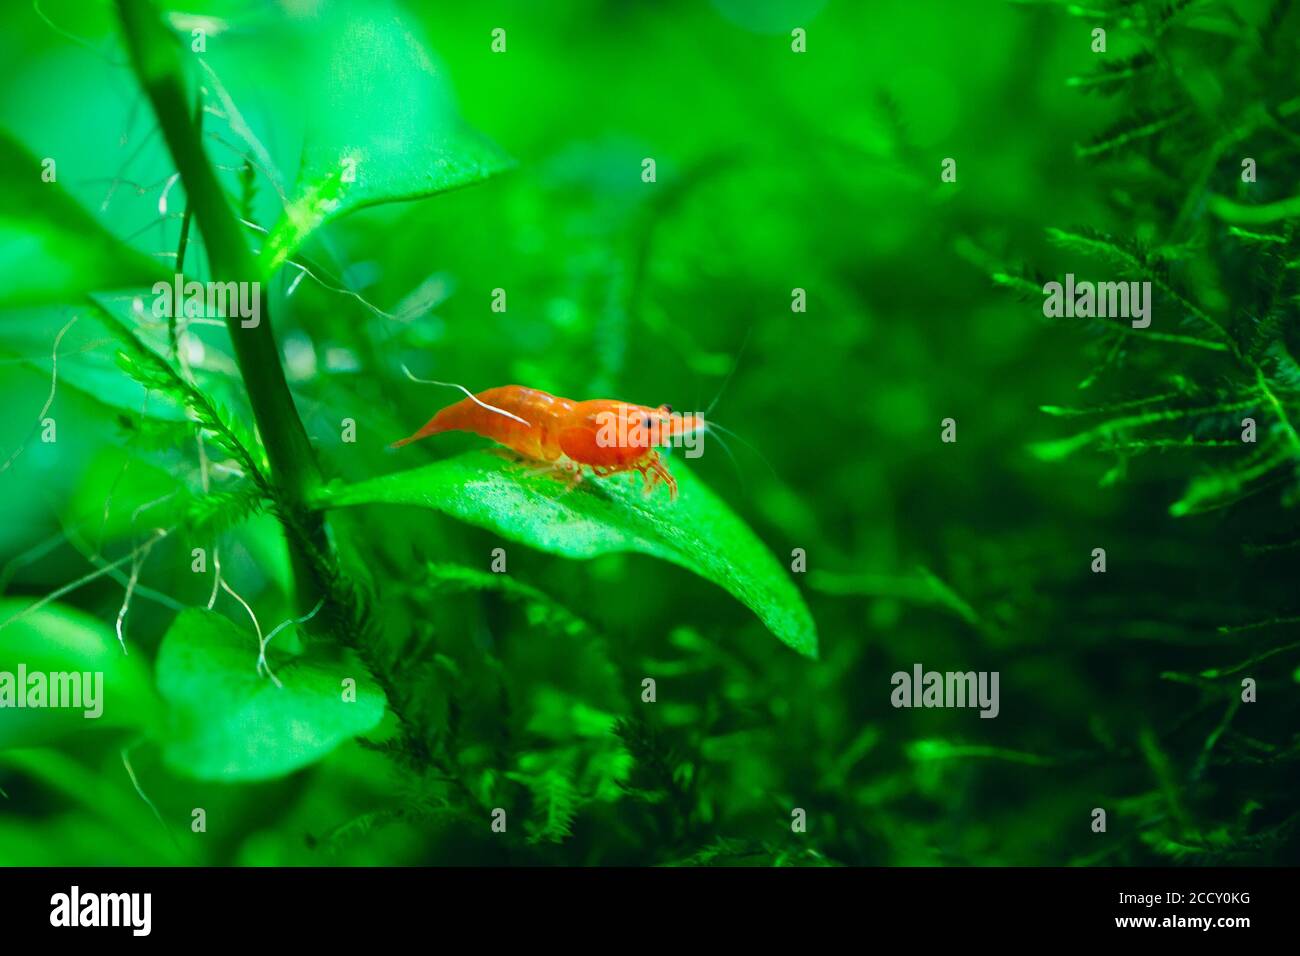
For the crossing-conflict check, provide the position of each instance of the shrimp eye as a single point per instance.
(668, 409)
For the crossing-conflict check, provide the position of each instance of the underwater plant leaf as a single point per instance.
(381, 126)
(1225, 485)
(1109, 77)
(699, 531)
(1141, 125)
(61, 639)
(51, 249)
(227, 722)
(549, 779)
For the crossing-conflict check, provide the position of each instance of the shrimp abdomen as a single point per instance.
(530, 428)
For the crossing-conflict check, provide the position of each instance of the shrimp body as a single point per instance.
(605, 435)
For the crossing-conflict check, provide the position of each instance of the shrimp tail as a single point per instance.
(477, 414)
(435, 425)
(464, 415)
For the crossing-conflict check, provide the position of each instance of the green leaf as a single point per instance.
(227, 722)
(381, 126)
(1225, 485)
(549, 779)
(51, 249)
(64, 640)
(603, 516)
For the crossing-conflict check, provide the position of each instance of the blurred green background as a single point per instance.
(776, 170)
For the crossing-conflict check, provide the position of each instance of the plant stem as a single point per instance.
(295, 475)
(188, 217)
(155, 56)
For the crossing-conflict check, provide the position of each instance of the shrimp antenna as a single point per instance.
(740, 475)
(713, 425)
(468, 394)
(734, 365)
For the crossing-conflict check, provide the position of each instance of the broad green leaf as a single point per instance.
(62, 640)
(51, 249)
(380, 125)
(603, 516)
(227, 722)
(92, 362)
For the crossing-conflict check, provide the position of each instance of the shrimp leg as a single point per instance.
(654, 471)
(569, 472)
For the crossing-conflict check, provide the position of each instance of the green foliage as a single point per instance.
(357, 152)
(52, 250)
(232, 718)
(57, 638)
(213, 489)
(697, 531)
(1229, 405)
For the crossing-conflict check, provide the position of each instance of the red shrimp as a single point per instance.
(605, 435)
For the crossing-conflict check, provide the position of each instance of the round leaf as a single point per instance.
(227, 722)
(61, 640)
